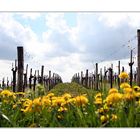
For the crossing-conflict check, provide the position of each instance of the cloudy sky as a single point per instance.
(67, 42)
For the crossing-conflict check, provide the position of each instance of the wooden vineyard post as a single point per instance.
(7, 85)
(111, 77)
(86, 79)
(105, 78)
(118, 74)
(14, 70)
(20, 68)
(122, 69)
(131, 72)
(25, 78)
(101, 78)
(96, 77)
(81, 78)
(78, 78)
(53, 80)
(42, 74)
(49, 86)
(30, 79)
(3, 83)
(34, 85)
(135, 75)
(138, 58)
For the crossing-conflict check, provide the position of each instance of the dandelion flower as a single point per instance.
(128, 97)
(113, 98)
(127, 90)
(62, 109)
(98, 95)
(114, 117)
(113, 90)
(124, 85)
(98, 101)
(136, 88)
(81, 100)
(66, 96)
(104, 118)
(123, 75)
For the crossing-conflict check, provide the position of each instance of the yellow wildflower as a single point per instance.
(106, 109)
(27, 106)
(37, 101)
(123, 75)
(62, 109)
(113, 90)
(113, 98)
(124, 85)
(137, 95)
(66, 96)
(100, 110)
(114, 117)
(128, 97)
(60, 117)
(136, 88)
(104, 118)
(6, 93)
(81, 100)
(58, 101)
(45, 101)
(50, 95)
(127, 90)
(14, 106)
(98, 101)
(98, 95)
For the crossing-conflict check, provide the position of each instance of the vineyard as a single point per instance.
(93, 99)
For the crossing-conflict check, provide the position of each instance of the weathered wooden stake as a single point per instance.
(49, 80)
(7, 83)
(42, 73)
(86, 79)
(122, 68)
(25, 79)
(111, 77)
(20, 68)
(30, 79)
(81, 78)
(14, 70)
(3, 83)
(131, 72)
(118, 74)
(34, 81)
(96, 77)
(138, 58)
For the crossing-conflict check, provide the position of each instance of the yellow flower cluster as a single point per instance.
(52, 101)
(114, 98)
(7, 93)
(124, 85)
(113, 90)
(7, 96)
(81, 100)
(98, 99)
(123, 75)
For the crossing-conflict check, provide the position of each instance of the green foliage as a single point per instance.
(86, 115)
(72, 88)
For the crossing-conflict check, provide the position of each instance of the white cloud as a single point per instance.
(67, 50)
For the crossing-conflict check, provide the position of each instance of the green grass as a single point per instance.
(72, 88)
(77, 116)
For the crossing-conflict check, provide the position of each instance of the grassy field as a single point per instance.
(71, 105)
